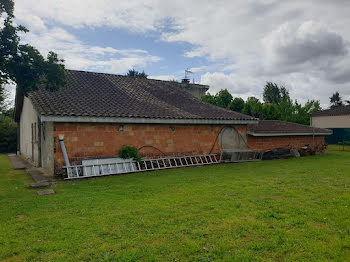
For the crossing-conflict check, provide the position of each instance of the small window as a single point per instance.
(121, 128)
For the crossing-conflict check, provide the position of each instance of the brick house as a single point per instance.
(98, 113)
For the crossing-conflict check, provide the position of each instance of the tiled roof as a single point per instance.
(339, 110)
(105, 95)
(275, 127)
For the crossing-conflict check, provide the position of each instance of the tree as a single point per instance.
(336, 100)
(313, 106)
(286, 110)
(272, 93)
(284, 93)
(286, 105)
(23, 64)
(252, 107)
(208, 98)
(237, 104)
(8, 137)
(270, 112)
(223, 98)
(134, 73)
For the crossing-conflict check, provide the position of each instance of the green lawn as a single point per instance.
(282, 210)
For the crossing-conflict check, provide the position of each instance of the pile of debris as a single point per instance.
(282, 153)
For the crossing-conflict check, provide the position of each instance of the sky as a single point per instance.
(228, 44)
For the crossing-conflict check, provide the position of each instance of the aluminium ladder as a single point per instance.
(132, 166)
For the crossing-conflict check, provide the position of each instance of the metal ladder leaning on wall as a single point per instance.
(84, 171)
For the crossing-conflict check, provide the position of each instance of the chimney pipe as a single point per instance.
(185, 81)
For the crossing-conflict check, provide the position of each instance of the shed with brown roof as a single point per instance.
(96, 114)
(272, 134)
(284, 128)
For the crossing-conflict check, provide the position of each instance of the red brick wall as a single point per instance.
(295, 142)
(100, 140)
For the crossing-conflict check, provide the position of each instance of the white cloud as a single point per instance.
(132, 14)
(296, 47)
(78, 55)
(10, 91)
(219, 80)
(162, 77)
(247, 41)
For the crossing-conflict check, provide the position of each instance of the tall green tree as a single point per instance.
(237, 104)
(272, 93)
(286, 105)
(223, 98)
(209, 98)
(287, 109)
(135, 73)
(252, 107)
(22, 63)
(270, 112)
(336, 100)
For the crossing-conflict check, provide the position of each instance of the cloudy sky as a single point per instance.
(233, 44)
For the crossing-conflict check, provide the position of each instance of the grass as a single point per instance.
(282, 210)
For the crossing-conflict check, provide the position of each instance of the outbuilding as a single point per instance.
(96, 114)
(337, 119)
(272, 134)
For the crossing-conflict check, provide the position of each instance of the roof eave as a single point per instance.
(140, 120)
(289, 134)
(330, 115)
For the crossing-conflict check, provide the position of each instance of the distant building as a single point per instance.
(336, 119)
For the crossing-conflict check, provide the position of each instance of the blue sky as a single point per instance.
(232, 44)
(172, 62)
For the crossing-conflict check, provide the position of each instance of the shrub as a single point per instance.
(129, 152)
(8, 135)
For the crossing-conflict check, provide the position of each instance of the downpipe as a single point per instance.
(65, 155)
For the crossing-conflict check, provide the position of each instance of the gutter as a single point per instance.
(140, 120)
(288, 134)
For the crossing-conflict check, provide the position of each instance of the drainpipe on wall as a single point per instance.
(64, 151)
(18, 139)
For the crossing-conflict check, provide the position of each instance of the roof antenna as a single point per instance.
(186, 80)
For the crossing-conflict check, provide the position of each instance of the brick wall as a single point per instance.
(100, 140)
(295, 142)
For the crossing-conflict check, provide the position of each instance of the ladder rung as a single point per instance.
(139, 166)
(81, 171)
